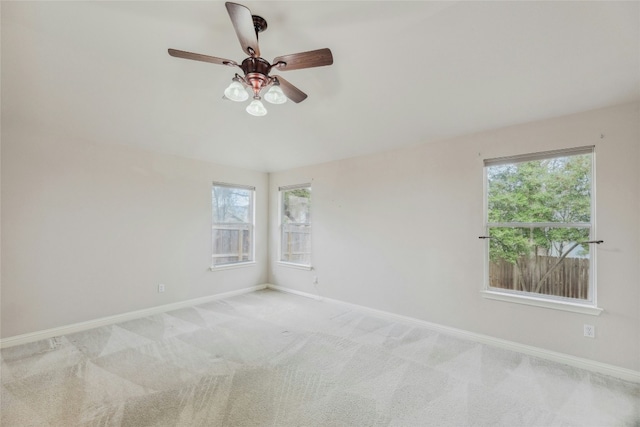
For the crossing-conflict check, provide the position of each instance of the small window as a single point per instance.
(295, 225)
(539, 212)
(232, 225)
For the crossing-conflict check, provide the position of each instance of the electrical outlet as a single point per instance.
(160, 288)
(315, 280)
(589, 331)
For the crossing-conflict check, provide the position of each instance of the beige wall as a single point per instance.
(399, 231)
(90, 230)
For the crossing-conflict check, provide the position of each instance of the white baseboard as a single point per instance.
(110, 320)
(300, 293)
(578, 362)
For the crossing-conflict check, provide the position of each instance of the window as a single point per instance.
(539, 211)
(295, 225)
(233, 223)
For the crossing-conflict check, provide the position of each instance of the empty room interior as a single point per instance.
(305, 213)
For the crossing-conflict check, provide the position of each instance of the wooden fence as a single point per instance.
(569, 279)
(296, 244)
(231, 243)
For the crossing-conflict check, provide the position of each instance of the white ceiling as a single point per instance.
(404, 73)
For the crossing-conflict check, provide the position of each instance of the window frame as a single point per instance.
(588, 306)
(281, 192)
(250, 226)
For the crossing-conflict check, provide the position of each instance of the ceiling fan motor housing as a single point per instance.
(256, 73)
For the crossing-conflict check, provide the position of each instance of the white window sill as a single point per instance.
(296, 266)
(231, 266)
(542, 302)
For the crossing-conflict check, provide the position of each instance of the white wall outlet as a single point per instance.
(315, 280)
(589, 331)
(160, 288)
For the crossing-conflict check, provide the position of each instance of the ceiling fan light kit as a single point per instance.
(257, 70)
(275, 95)
(236, 91)
(256, 108)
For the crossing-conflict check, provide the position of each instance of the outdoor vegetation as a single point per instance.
(539, 220)
(296, 226)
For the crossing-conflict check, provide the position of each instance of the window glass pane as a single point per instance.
(297, 206)
(232, 230)
(231, 244)
(546, 190)
(539, 222)
(296, 244)
(295, 238)
(231, 204)
(540, 260)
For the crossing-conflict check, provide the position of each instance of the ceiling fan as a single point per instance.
(255, 68)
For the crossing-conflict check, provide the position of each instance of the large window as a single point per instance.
(295, 225)
(539, 212)
(232, 225)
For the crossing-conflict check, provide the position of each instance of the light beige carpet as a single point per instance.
(273, 359)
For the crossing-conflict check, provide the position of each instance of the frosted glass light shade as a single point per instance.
(275, 95)
(236, 92)
(256, 108)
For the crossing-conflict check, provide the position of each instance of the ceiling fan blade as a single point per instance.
(292, 92)
(296, 61)
(242, 21)
(203, 58)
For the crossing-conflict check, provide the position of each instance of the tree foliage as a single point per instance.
(296, 205)
(555, 190)
(231, 204)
